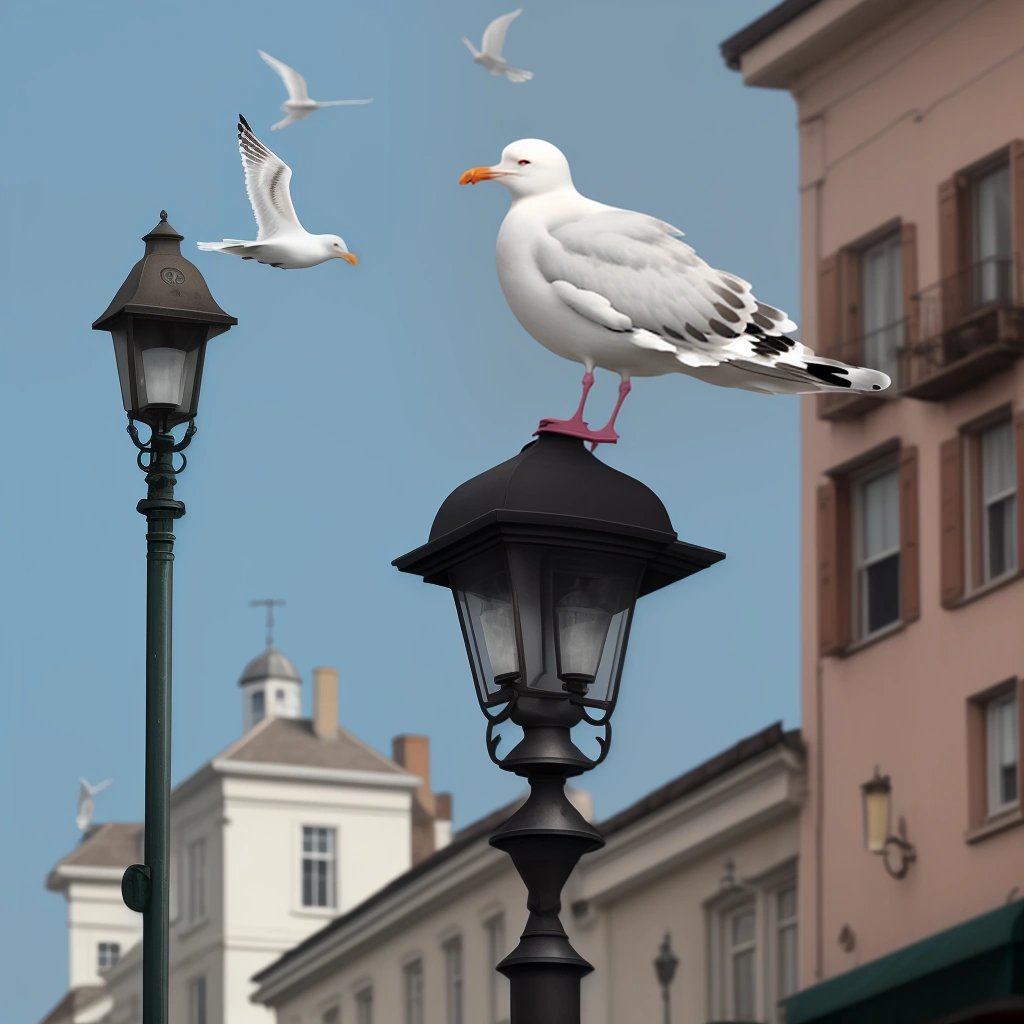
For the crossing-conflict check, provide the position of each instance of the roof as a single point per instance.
(292, 741)
(770, 22)
(746, 750)
(269, 664)
(115, 844)
(74, 1000)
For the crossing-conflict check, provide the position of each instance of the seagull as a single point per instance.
(282, 241)
(489, 55)
(616, 289)
(299, 106)
(86, 804)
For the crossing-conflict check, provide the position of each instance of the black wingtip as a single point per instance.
(243, 123)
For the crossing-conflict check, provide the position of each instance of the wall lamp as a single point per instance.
(896, 852)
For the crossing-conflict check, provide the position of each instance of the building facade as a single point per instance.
(296, 822)
(912, 234)
(711, 858)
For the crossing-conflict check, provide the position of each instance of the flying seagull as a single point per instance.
(299, 106)
(489, 55)
(86, 804)
(620, 290)
(282, 241)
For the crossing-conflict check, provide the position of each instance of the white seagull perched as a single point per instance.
(489, 55)
(620, 290)
(282, 241)
(299, 106)
(86, 803)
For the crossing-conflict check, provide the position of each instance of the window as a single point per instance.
(877, 551)
(498, 993)
(259, 706)
(740, 963)
(785, 945)
(453, 980)
(991, 245)
(413, 974)
(107, 954)
(997, 505)
(364, 1006)
(318, 867)
(332, 1015)
(881, 309)
(197, 880)
(197, 1000)
(1002, 747)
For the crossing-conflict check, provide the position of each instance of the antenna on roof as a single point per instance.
(86, 804)
(269, 603)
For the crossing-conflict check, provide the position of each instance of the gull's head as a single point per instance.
(338, 250)
(528, 167)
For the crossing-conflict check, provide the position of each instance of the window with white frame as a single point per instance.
(991, 236)
(258, 704)
(881, 280)
(498, 992)
(319, 866)
(740, 935)
(364, 1006)
(107, 954)
(197, 1000)
(453, 980)
(997, 473)
(197, 880)
(786, 977)
(876, 549)
(413, 978)
(1002, 753)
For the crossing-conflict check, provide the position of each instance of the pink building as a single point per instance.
(911, 127)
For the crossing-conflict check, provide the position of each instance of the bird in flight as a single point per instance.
(299, 106)
(621, 290)
(489, 55)
(282, 241)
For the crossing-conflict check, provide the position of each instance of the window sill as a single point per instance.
(985, 589)
(315, 911)
(993, 826)
(873, 638)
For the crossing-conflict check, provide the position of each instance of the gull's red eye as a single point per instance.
(523, 163)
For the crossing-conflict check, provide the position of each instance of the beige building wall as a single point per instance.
(892, 101)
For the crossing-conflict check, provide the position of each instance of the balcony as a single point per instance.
(965, 328)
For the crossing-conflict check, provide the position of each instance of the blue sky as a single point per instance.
(348, 402)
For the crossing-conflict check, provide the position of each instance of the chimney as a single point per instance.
(413, 754)
(325, 703)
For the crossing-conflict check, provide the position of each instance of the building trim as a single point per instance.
(733, 48)
(303, 773)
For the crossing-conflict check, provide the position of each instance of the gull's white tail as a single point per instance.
(343, 103)
(518, 74)
(234, 246)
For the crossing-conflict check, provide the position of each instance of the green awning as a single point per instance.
(967, 966)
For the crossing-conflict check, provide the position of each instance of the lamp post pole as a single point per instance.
(161, 319)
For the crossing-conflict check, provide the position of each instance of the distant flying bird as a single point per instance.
(86, 804)
(489, 55)
(282, 241)
(620, 290)
(299, 106)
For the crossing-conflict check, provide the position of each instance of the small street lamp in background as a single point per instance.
(546, 555)
(665, 965)
(161, 319)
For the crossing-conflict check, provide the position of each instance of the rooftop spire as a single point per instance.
(269, 603)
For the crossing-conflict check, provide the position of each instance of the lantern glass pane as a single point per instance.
(585, 605)
(877, 805)
(163, 372)
(483, 595)
(124, 374)
(165, 358)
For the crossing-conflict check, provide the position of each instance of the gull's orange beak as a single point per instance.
(350, 257)
(475, 174)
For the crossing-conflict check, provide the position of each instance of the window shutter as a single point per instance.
(1020, 488)
(1017, 208)
(849, 289)
(951, 518)
(827, 342)
(908, 243)
(951, 250)
(833, 572)
(910, 586)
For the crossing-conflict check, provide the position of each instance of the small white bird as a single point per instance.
(86, 804)
(282, 241)
(617, 289)
(299, 106)
(489, 55)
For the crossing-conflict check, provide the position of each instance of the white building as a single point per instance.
(294, 823)
(710, 857)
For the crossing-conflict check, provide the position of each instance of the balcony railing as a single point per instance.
(963, 329)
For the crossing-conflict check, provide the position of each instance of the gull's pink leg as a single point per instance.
(575, 426)
(607, 435)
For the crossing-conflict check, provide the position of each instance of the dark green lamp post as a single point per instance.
(161, 319)
(546, 556)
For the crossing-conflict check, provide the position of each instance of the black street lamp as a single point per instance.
(546, 555)
(161, 319)
(665, 965)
